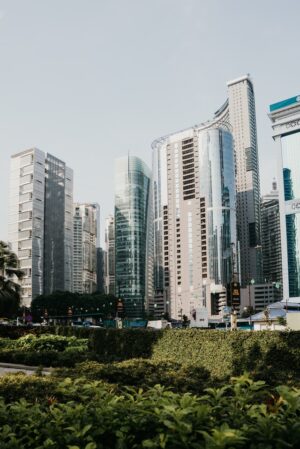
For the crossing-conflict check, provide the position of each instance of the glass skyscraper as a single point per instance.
(285, 117)
(133, 235)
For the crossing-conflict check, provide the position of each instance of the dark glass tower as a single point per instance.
(133, 266)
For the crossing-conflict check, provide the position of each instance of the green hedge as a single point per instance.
(67, 358)
(15, 332)
(273, 356)
(91, 415)
(143, 373)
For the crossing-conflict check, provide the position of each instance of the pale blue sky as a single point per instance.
(89, 80)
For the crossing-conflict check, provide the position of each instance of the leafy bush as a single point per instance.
(243, 414)
(52, 358)
(270, 355)
(144, 374)
(37, 388)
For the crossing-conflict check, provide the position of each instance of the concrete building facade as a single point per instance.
(84, 249)
(239, 111)
(109, 263)
(194, 217)
(41, 190)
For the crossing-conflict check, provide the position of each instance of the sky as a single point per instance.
(91, 80)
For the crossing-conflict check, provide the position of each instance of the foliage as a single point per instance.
(243, 414)
(58, 304)
(143, 374)
(46, 342)
(48, 358)
(9, 289)
(270, 355)
(46, 350)
(282, 321)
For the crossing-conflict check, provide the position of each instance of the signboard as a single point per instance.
(284, 103)
(292, 206)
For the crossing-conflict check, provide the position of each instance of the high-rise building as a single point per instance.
(101, 255)
(109, 263)
(41, 190)
(239, 111)
(133, 235)
(194, 218)
(270, 237)
(285, 118)
(58, 226)
(84, 249)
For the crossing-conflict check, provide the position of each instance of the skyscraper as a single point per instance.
(101, 255)
(270, 237)
(285, 118)
(109, 265)
(58, 229)
(133, 234)
(194, 217)
(41, 189)
(239, 111)
(84, 251)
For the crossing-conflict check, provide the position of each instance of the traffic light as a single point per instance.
(235, 293)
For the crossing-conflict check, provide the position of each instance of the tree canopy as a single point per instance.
(62, 304)
(10, 289)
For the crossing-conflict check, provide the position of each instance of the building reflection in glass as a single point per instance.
(132, 234)
(291, 179)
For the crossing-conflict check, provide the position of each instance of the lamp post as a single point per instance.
(251, 282)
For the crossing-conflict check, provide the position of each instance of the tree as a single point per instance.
(61, 304)
(10, 290)
(281, 320)
(185, 321)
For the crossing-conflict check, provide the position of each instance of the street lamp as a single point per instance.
(251, 282)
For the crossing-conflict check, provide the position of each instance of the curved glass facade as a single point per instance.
(132, 233)
(217, 190)
(290, 145)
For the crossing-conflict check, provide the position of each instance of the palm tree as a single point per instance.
(10, 291)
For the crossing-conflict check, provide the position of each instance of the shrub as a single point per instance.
(273, 356)
(270, 355)
(66, 358)
(244, 414)
(144, 374)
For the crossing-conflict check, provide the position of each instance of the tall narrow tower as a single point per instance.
(84, 249)
(110, 255)
(133, 235)
(239, 111)
(242, 117)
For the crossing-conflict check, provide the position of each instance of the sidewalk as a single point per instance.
(14, 368)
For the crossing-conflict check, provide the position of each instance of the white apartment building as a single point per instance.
(194, 218)
(41, 186)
